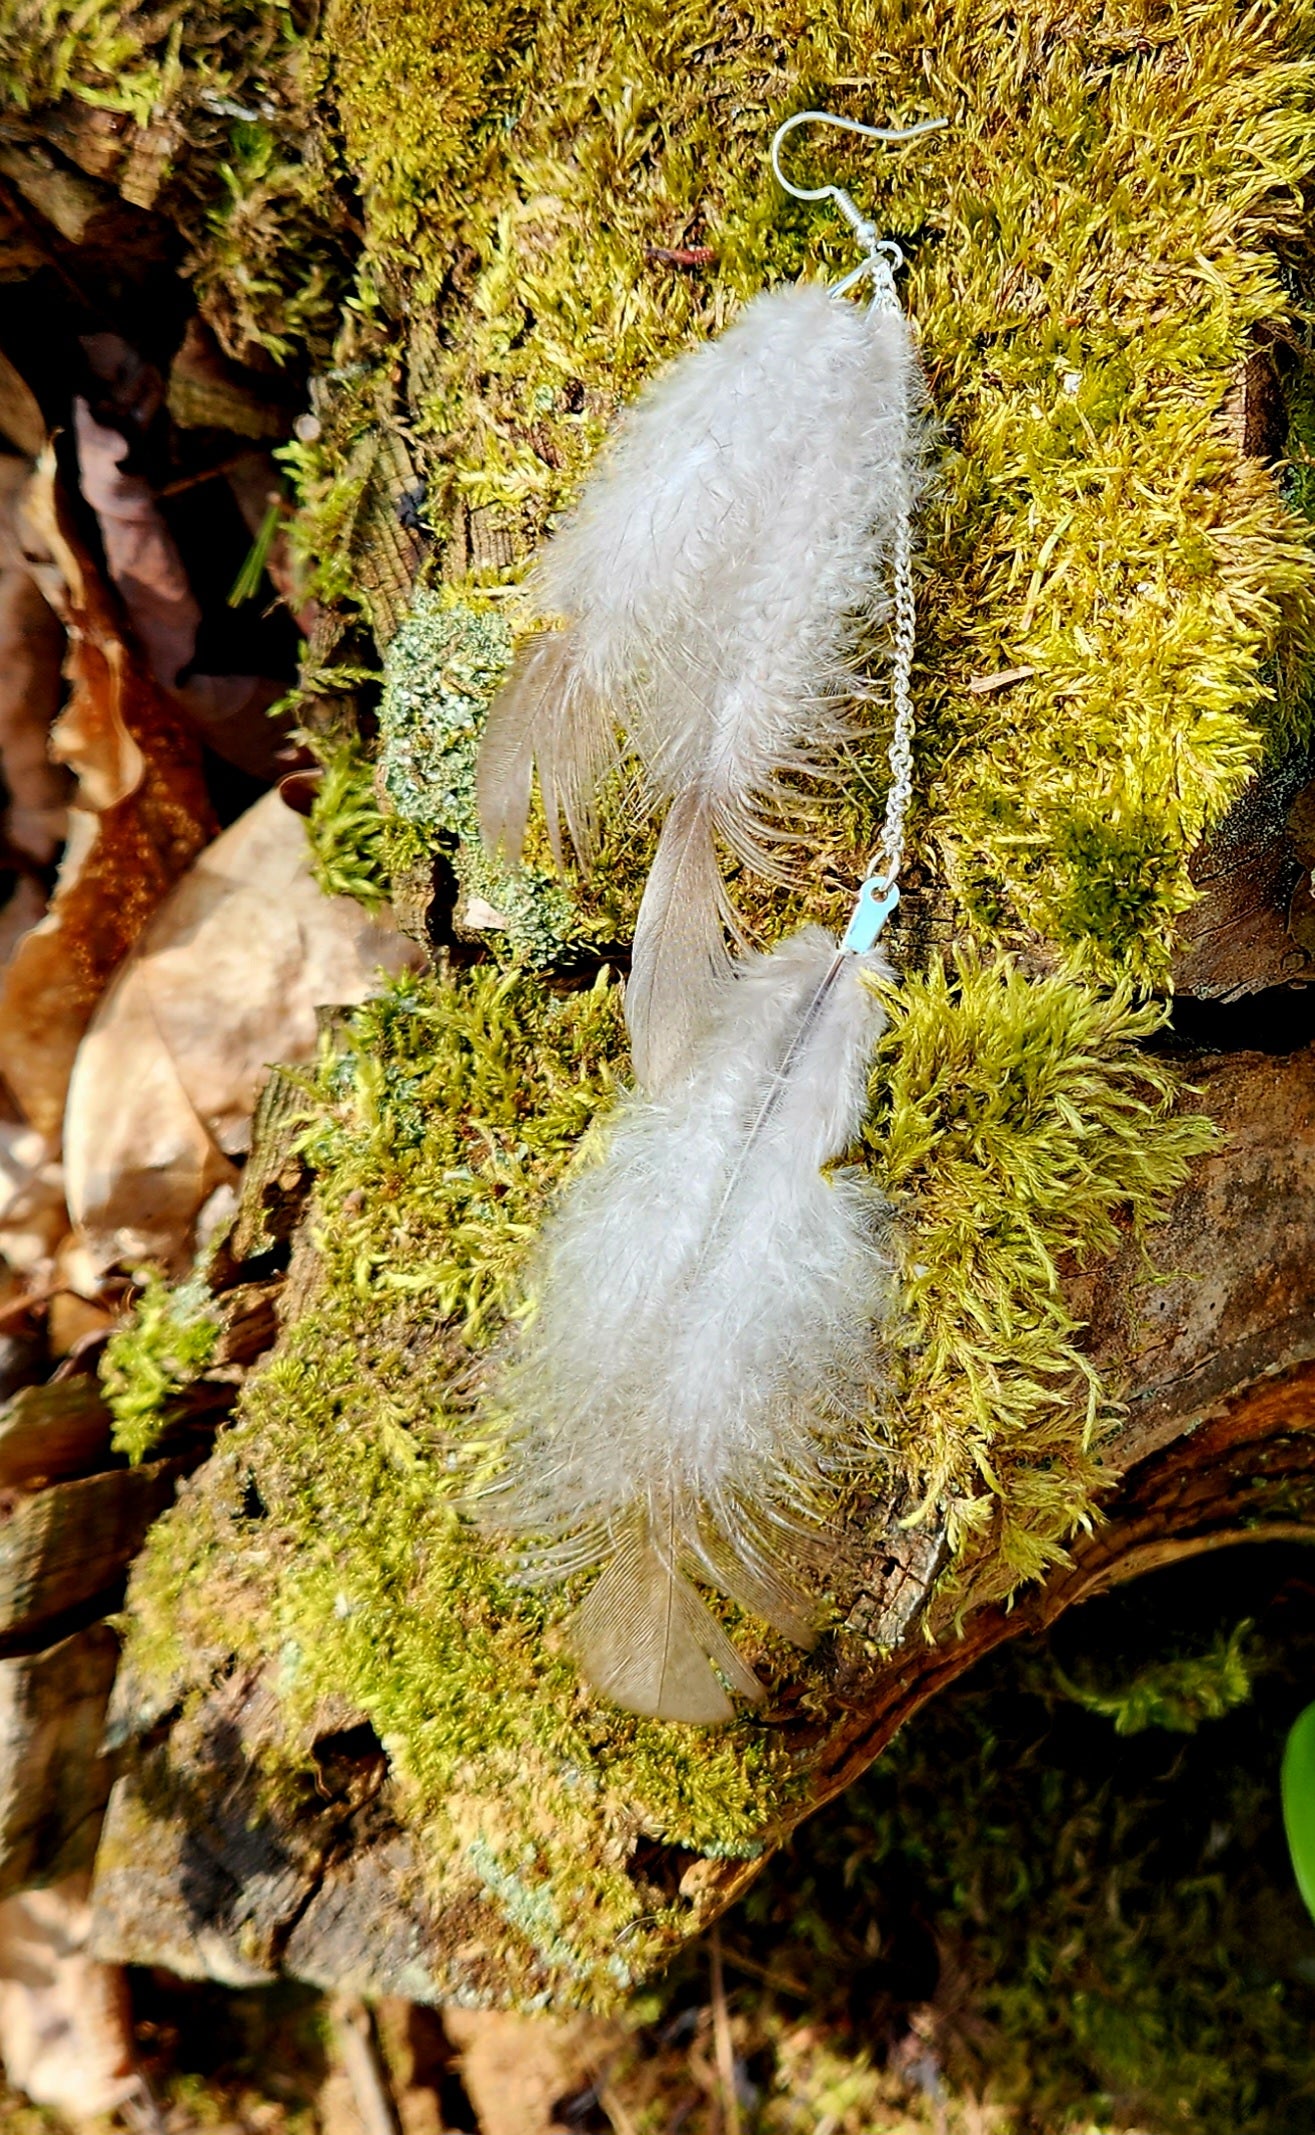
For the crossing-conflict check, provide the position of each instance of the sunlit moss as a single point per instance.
(1094, 242)
(167, 1343)
(346, 831)
(1015, 1122)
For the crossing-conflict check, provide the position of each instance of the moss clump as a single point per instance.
(166, 1345)
(1177, 1694)
(1015, 1123)
(218, 135)
(346, 830)
(1026, 1920)
(1095, 241)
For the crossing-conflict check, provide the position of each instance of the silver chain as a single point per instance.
(890, 853)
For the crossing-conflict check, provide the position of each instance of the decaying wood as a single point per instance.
(54, 1779)
(64, 1551)
(49, 1433)
(205, 1871)
(1254, 926)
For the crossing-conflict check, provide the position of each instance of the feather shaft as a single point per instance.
(680, 960)
(704, 1343)
(732, 541)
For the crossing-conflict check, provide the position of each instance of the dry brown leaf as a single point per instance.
(208, 392)
(140, 816)
(145, 565)
(140, 552)
(516, 2068)
(31, 664)
(65, 2021)
(21, 420)
(225, 981)
(32, 1215)
(142, 1163)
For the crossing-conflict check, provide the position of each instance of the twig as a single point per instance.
(355, 2043)
(722, 2041)
(33, 1300)
(206, 474)
(779, 1980)
(680, 255)
(983, 685)
(622, 2124)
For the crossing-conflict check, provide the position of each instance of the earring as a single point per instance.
(707, 1302)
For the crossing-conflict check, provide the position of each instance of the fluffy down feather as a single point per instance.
(714, 574)
(704, 1341)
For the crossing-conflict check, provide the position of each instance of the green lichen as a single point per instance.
(165, 1346)
(442, 671)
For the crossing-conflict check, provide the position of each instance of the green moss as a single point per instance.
(346, 830)
(167, 1343)
(436, 1141)
(1071, 1928)
(1178, 1693)
(1094, 245)
(1096, 241)
(330, 476)
(1015, 1123)
(219, 138)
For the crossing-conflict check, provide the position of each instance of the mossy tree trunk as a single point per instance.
(207, 1869)
(351, 1748)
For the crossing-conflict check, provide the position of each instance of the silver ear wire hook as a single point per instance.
(879, 891)
(881, 256)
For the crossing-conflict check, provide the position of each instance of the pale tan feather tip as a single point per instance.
(644, 1639)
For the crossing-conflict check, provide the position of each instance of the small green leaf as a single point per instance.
(1299, 1802)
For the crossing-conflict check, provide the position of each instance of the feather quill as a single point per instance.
(715, 574)
(703, 1341)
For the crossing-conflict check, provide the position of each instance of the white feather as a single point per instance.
(704, 1339)
(733, 538)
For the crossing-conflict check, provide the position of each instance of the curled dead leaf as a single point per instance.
(141, 813)
(151, 578)
(31, 661)
(21, 420)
